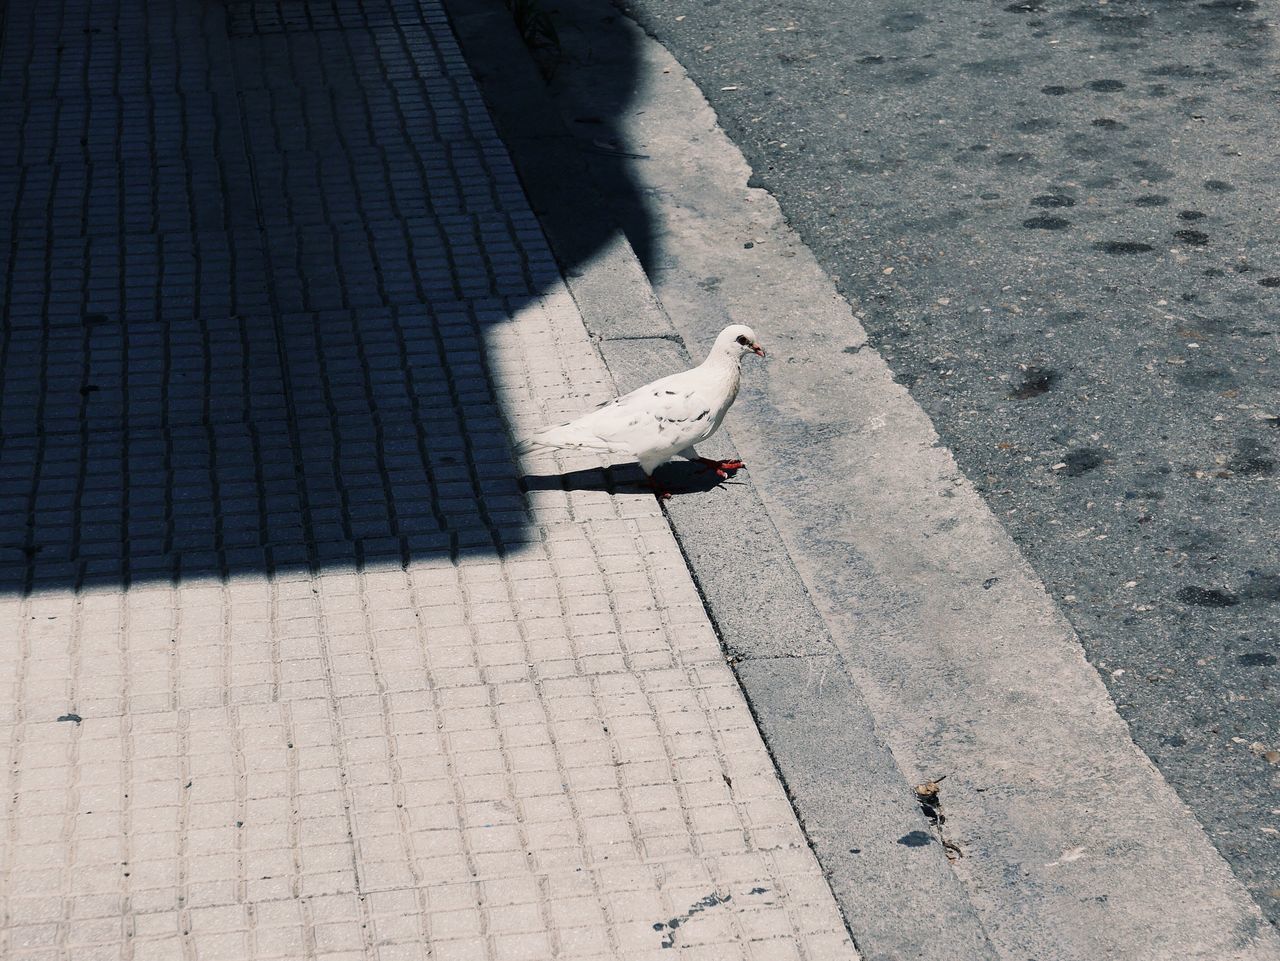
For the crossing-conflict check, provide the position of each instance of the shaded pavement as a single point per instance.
(292, 664)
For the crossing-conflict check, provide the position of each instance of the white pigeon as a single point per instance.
(666, 418)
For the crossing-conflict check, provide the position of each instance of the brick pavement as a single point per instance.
(290, 664)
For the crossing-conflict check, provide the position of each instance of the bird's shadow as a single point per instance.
(679, 479)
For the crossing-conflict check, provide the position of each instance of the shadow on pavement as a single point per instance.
(253, 253)
(679, 478)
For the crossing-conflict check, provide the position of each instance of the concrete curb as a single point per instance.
(881, 856)
(1074, 845)
(885, 864)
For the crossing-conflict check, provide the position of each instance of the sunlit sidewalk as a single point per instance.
(291, 665)
(533, 756)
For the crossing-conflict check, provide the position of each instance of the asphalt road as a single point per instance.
(1060, 221)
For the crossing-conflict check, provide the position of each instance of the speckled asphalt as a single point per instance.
(1060, 221)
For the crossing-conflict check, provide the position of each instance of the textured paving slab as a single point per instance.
(542, 757)
(292, 662)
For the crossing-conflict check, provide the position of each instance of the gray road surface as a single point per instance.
(1059, 219)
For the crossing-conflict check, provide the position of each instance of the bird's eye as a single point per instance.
(742, 340)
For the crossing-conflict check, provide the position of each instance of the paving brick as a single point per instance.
(294, 666)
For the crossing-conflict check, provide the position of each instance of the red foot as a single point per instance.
(724, 468)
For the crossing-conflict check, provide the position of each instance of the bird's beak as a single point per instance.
(757, 350)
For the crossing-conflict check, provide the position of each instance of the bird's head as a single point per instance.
(736, 340)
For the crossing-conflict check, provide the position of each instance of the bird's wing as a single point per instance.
(670, 413)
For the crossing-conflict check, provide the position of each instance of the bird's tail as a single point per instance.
(547, 437)
(565, 437)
